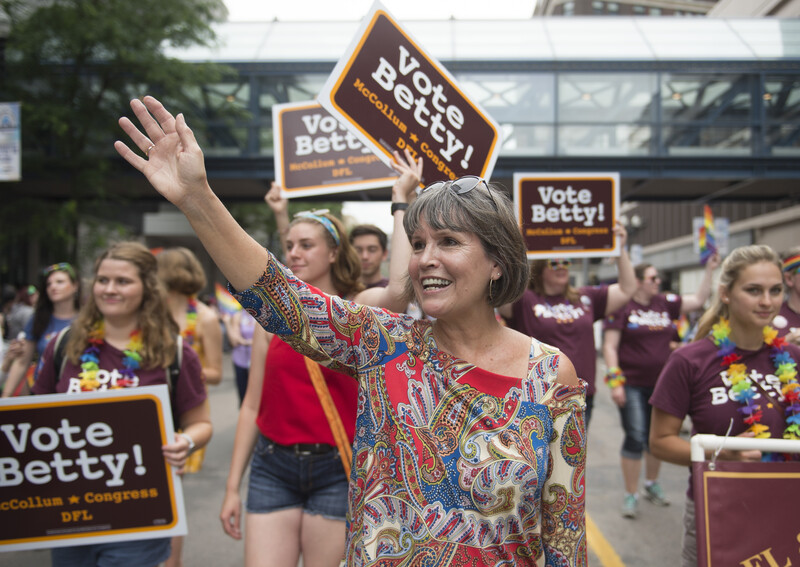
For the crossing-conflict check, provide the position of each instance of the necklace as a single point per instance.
(741, 386)
(190, 332)
(90, 359)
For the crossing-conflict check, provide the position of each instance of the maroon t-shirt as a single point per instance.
(786, 320)
(553, 320)
(189, 393)
(646, 333)
(694, 383)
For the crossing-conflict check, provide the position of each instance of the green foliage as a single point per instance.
(75, 65)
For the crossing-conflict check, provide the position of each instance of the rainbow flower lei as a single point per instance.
(741, 388)
(190, 332)
(90, 359)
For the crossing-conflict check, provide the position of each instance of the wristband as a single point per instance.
(188, 440)
(614, 377)
(398, 207)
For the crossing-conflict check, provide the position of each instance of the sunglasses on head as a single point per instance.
(462, 186)
(60, 267)
(555, 264)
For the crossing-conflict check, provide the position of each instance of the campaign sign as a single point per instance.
(315, 154)
(746, 513)
(88, 468)
(567, 215)
(395, 96)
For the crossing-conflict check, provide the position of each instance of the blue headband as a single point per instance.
(324, 221)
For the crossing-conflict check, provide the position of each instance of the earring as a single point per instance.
(491, 280)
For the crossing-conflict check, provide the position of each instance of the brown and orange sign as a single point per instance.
(395, 96)
(79, 469)
(745, 513)
(567, 215)
(316, 155)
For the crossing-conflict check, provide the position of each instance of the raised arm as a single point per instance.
(18, 368)
(696, 300)
(174, 166)
(280, 208)
(403, 191)
(211, 337)
(620, 293)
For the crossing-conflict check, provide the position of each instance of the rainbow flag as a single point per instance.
(682, 325)
(708, 246)
(226, 303)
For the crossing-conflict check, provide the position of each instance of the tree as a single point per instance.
(75, 65)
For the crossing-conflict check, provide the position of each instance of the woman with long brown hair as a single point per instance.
(56, 307)
(124, 337)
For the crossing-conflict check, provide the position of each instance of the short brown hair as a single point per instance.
(490, 217)
(181, 271)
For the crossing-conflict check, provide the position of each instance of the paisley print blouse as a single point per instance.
(452, 464)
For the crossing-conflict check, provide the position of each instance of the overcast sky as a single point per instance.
(249, 10)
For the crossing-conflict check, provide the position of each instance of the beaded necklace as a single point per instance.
(90, 359)
(741, 388)
(190, 332)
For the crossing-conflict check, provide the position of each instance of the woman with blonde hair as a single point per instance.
(737, 378)
(124, 337)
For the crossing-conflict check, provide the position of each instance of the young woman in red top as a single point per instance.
(297, 494)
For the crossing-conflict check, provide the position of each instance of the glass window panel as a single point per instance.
(219, 139)
(512, 97)
(611, 139)
(784, 140)
(782, 97)
(288, 88)
(693, 140)
(705, 97)
(588, 97)
(527, 140)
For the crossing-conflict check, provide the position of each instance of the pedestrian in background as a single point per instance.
(240, 327)
(636, 344)
(56, 306)
(370, 243)
(560, 315)
(183, 277)
(727, 381)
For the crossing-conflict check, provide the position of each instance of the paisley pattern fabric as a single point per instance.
(452, 464)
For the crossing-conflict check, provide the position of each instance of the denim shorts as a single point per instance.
(143, 553)
(281, 479)
(635, 416)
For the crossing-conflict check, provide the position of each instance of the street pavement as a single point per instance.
(652, 540)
